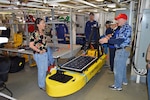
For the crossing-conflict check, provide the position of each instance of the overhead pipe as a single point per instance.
(117, 3)
(87, 3)
(36, 6)
(55, 1)
(48, 1)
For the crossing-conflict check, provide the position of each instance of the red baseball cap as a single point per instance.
(124, 16)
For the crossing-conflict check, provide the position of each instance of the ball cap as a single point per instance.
(124, 16)
(113, 22)
(108, 22)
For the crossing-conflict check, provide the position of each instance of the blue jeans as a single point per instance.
(105, 46)
(50, 56)
(111, 57)
(121, 56)
(42, 65)
(148, 83)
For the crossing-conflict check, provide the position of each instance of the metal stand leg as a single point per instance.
(6, 96)
(138, 79)
(56, 61)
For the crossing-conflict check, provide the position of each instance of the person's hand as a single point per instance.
(103, 40)
(42, 51)
(53, 32)
(65, 35)
(109, 35)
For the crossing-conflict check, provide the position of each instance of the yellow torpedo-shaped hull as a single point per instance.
(59, 89)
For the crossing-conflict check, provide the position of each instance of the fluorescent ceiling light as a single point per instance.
(17, 3)
(49, 1)
(63, 8)
(80, 10)
(3, 28)
(106, 9)
(102, 5)
(60, 12)
(99, 0)
(53, 1)
(45, 1)
(94, 10)
(113, 5)
(87, 3)
(65, 5)
(3, 39)
(119, 9)
(54, 4)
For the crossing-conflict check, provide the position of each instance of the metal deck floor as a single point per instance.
(24, 87)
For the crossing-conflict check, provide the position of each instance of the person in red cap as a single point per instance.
(112, 49)
(121, 43)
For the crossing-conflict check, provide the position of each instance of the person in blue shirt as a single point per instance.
(88, 28)
(107, 32)
(112, 49)
(121, 43)
(61, 30)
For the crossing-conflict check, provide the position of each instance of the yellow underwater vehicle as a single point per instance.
(73, 75)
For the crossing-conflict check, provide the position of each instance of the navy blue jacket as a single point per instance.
(88, 29)
(108, 31)
(61, 30)
(115, 33)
